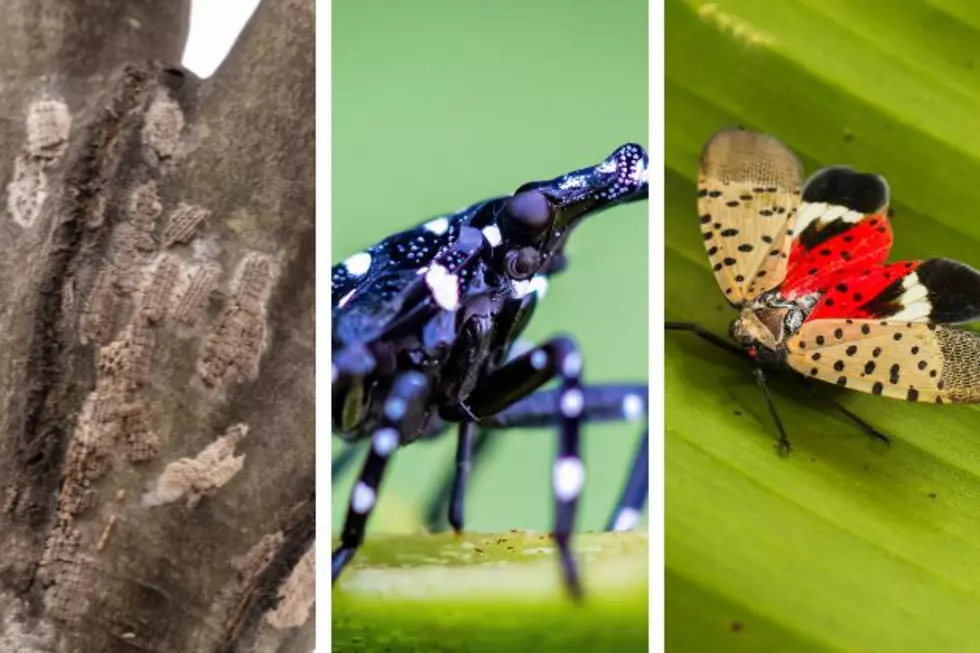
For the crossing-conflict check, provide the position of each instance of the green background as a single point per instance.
(441, 103)
(846, 545)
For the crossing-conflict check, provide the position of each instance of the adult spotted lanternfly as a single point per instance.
(425, 332)
(805, 266)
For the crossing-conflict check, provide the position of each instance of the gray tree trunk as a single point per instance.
(156, 331)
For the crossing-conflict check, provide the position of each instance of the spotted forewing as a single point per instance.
(748, 193)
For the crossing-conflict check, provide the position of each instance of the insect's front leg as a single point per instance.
(408, 393)
(519, 378)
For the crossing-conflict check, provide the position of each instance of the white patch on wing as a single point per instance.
(916, 306)
(439, 226)
(825, 213)
(358, 264)
(443, 286)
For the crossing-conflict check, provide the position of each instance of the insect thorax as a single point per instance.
(769, 320)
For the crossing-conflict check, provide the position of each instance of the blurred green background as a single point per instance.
(845, 545)
(441, 103)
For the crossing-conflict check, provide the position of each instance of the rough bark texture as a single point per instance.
(156, 331)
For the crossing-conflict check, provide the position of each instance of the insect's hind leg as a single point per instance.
(868, 429)
(602, 403)
(408, 391)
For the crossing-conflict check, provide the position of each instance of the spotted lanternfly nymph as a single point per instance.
(425, 335)
(805, 266)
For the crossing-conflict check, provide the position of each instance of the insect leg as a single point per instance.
(784, 445)
(519, 378)
(864, 426)
(407, 393)
(464, 462)
(707, 336)
(451, 490)
(603, 403)
(634, 495)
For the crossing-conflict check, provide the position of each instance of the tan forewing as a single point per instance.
(748, 193)
(914, 361)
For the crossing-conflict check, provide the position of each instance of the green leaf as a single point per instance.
(493, 593)
(846, 545)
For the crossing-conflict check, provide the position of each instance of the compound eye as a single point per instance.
(527, 213)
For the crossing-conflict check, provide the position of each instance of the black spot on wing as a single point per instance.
(817, 233)
(954, 290)
(858, 191)
(887, 302)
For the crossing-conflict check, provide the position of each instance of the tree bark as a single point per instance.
(156, 331)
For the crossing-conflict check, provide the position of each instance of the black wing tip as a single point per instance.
(954, 290)
(862, 192)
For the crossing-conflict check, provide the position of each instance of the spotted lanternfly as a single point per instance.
(425, 335)
(805, 264)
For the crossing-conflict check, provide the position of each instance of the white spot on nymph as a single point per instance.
(539, 359)
(358, 264)
(572, 365)
(443, 287)
(492, 234)
(626, 520)
(571, 402)
(385, 441)
(641, 174)
(539, 285)
(439, 226)
(569, 477)
(346, 298)
(395, 408)
(363, 498)
(521, 287)
(633, 407)
(609, 165)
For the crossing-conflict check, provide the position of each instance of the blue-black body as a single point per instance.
(426, 324)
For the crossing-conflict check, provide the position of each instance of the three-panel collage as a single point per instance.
(651, 325)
